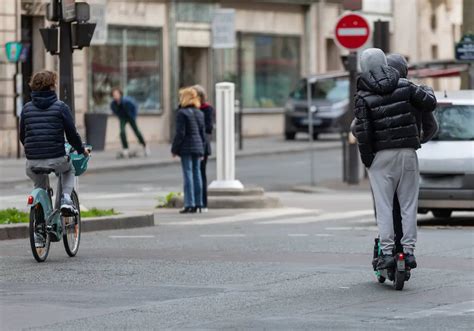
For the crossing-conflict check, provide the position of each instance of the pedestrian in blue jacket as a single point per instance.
(189, 143)
(126, 110)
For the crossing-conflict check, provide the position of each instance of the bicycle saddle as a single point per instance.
(42, 170)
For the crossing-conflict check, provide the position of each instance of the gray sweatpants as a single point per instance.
(61, 165)
(395, 170)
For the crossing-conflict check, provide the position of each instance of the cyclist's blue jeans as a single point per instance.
(192, 180)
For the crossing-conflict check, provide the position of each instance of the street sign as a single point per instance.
(352, 31)
(13, 50)
(465, 48)
(223, 28)
(68, 10)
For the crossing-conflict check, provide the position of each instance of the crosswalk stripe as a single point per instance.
(245, 217)
(322, 218)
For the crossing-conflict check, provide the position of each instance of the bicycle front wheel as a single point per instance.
(39, 237)
(72, 229)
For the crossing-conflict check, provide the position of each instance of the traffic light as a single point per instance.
(50, 39)
(82, 34)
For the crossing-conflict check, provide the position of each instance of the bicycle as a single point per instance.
(47, 224)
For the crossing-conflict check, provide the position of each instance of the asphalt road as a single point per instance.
(290, 268)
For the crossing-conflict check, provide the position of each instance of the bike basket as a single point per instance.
(79, 162)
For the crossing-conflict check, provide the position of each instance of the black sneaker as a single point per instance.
(385, 262)
(410, 261)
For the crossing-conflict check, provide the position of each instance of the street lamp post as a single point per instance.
(311, 111)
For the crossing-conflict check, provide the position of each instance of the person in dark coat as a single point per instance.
(189, 144)
(388, 136)
(208, 112)
(427, 128)
(126, 110)
(44, 122)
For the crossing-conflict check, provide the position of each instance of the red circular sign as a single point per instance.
(352, 31)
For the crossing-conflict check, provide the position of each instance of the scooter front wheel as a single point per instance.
(39, 238)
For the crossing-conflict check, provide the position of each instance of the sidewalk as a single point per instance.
(12, 170)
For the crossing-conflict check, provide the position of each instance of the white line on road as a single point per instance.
(132, 237)
(324, 217)
(446, 310)
(324, 235)
(229, 235)
(252, 216)
(297, 235)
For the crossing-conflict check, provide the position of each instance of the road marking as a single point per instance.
(229, 235)
(251, 216)
(297, 235)
(339, 228)
(446, 310)
(324, 235)
(132, 237)
(323, 217)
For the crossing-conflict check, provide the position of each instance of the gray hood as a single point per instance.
(372, 59)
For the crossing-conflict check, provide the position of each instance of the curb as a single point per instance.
(90, 224)
(162, 163)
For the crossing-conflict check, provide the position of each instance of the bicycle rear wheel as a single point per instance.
(39, 237)
(72, 229)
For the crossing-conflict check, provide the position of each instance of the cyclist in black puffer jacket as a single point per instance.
(388, 136)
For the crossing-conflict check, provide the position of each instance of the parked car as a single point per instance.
(330, 96)
(447, 162)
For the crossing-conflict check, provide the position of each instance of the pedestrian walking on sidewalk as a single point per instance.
(208, 112)
(126, 110)
(387, 133)
(189, 143)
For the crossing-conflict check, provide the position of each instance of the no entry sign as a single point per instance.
(352, 31)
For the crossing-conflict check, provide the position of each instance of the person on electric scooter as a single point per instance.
(43, 123)
(427, 128)
(387, 134)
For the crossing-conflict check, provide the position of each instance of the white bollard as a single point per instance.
(225, 138)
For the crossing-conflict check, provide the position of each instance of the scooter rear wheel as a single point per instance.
(399, 280)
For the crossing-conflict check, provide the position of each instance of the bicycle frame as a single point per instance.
(51, 216)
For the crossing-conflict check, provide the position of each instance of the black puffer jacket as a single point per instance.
(190, 138)
(385, 111)
(43, 123)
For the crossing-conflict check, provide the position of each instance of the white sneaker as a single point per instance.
(204, 210)
(147, 151)
(125, 154)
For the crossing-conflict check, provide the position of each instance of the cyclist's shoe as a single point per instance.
(410, 261)
(67, 206)
(385, 262)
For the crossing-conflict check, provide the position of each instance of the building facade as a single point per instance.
(151, 48)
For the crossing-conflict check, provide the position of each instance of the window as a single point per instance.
(455, 122)
(270, 68)
(332, 90)
(130, 59)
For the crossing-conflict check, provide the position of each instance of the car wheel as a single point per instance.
(442, 213)
(290, 135)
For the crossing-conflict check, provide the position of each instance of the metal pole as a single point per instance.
(16, 110)
(66, 75)
(353, 153)
(240, 88)
(310, 130)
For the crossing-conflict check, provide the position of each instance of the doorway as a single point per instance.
(194, 66)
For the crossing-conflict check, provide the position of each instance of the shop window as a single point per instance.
(270, 68)
(131, 60)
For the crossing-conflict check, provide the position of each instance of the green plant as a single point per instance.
(167, 200)
(13, 215)
(95, 212)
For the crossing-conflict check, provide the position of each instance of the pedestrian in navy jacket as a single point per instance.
(189, 143)
(208, 112)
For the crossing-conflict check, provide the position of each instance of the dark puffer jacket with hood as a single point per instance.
(43, 123)
(385, 108)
